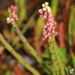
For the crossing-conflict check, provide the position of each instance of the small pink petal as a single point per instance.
(50, 37)
(45, 36)
(55, 23)
(49, 13)
(43, 39)
(41, 16)
(12, 22)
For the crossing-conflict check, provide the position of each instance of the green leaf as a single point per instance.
(40, 24)
(62, 52)
(8, 73)
(68, 68)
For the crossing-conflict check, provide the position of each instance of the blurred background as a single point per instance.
(31, 26)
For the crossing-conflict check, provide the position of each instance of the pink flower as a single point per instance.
(14, 17)
(40, 11)
(12, 8)
(41, 16)
(50, 37)
(48, 29)
(49, 13)
(44, 33)
(43, 39)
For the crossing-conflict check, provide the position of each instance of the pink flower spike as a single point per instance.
(48, 28)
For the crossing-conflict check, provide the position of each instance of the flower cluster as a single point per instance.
(46, 14)
(14, 16)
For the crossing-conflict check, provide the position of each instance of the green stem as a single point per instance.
(70, 26)
(70, 33)
(54, 6)
(26, 44)
(18, 56)
(58, 57)
(22, 11)
(53, 56)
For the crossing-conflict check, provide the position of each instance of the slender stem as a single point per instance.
(21, 11)
(26, 44)
(70, 33)
(54, 4)
(70, 27)
(18, 56)
(53, 56)
(58, 57)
